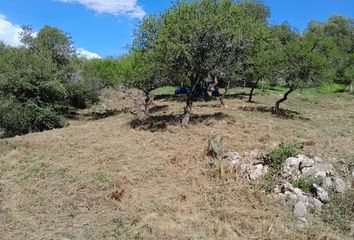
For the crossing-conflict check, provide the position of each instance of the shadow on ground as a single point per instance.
(160, 122)
(283, 113)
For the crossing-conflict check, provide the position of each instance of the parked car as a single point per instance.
(200, 91)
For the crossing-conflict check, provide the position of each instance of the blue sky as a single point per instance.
(104, 27)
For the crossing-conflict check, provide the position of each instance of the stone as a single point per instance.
(233, 157)
(255, 172)
(328, 182)
(305, 162)
(321, 194)
(284, 186)
(300, 210)
(216, 147)
(339, 185)
(291, 167)
(319, 170)
(317, 203)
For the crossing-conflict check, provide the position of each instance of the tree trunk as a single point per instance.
(252, 90)
(148, 100)
(146, 105)
(188, 108)
(222, 96)
(351, 87)
(275, 109)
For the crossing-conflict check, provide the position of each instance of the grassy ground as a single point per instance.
(106, 180)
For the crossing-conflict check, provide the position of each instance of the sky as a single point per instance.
(101, 28)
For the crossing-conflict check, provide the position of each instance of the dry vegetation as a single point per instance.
(106, 180)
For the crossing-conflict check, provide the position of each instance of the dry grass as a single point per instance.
(104, 180)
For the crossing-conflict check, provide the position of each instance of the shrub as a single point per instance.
(13, 118)
(43, 118)
(82, 94)
(305, 184)
(275, 160)
(277, 156)
(21, 118)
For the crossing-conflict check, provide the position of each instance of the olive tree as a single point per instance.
(196, 39)
(301, 66)
(143, 68)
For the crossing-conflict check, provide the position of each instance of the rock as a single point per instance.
(328, 182)
(257, 171)
(300, 210)
(233, 157)
(254, 172)
(216, 147)
(321, 194)
(317, 203)
(291, 167)
(319, 170)
(305, 162)
(284, 186)
(339, 185)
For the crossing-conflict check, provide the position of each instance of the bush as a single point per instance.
(18, 118)
(82, 95)
(13, 118)
(42, 119)
(306, 184)
(276, 158)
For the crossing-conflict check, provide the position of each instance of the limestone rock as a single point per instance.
(254, 172)
(300, 210)
(216, 147)
(321, 194)
(233, 157)
(339, 185)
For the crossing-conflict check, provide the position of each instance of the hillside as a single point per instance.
(104, 179)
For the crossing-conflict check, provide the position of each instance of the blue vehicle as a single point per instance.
(200, 91)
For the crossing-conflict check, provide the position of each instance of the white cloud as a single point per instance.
(87, 54)
(9, 33)
(113, 7)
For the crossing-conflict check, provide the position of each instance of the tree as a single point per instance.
(301, 66)
(143, 69)
(195, 39)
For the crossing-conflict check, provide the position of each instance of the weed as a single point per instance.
(276, 158)
(306, 183)
(339, 212)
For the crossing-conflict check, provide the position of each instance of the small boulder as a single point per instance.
(319, 170)
(254, 172)
(300, 210)
(321, 194)
(257, 171)
(216, 147)
(291, 167)
(233, 157)
(305, 162)
(339, 185)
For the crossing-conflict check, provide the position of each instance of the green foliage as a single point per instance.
(306, 183)
(39, 82)
(339, 212)
(108, 71)
(20, 118)
(276, 158)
